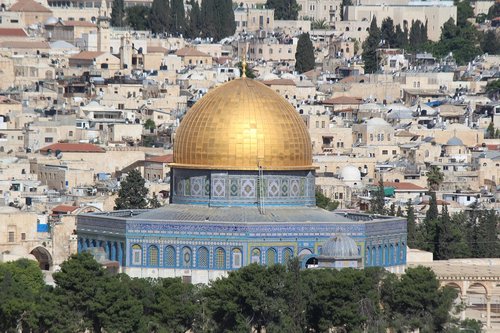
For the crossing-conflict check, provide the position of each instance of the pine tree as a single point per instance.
(118, 13)
(304, 57)
(132, 193)
(370, 46)
(160, 14)
(487, 240)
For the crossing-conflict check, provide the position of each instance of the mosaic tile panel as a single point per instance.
(248, 188)
(219, 188)
(273, 188)
(197, 186)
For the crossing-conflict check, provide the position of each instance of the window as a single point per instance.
(393, 152)
(255, 256)
(317, 123)
(170, 256)
(371, 137)
(385, 152)
(271, 256)
(323, 124)
(186, 257)
(23, 236)
(20, 137)
(70, 133)
(153, 256)
(11, 236)
(287, 255)
(136, 254)
(237, 258)
(220, 258)
(49, 140)
(202, 257)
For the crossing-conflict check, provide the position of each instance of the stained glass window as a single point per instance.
(136, 254)
(287, 255)
(271, 256)
(237, 258)
(153, 256)
(220, 258)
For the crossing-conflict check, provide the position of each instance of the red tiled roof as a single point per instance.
(279, 82)
(64, 209)
(73, 148)
(9, 32)
(87, 55)
(161, 159)
(29, 6)
(343, 100)
(404, 186)
(190, 52)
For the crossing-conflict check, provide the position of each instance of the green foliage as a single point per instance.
(494, 11)
(322, 201)
(154, 202)
(118, 13)
(320, 25)
(248, 72)
(132, 193)
(370, 46)
(149, 124)
(20, 284)
(434, 178)
(401, 37)
(284, 9)
(194, 27)
(416, 301)
(491, 133)
(304, 56)
(160, 16)
(138, 17)
(377, 202)
(411, 225)
(464, 12)
(493, 87)
(177, 21)
(388, 33)
(490, 42)
(418, 35)
(217, 18)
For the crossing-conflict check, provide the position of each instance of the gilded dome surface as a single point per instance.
(239, 126)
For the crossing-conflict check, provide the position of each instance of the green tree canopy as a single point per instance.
(370, 46)
(132, 193)
(322, 201)
(388, 34)
(138, 17)
(118, 13)
(304, 56)
(284, 9)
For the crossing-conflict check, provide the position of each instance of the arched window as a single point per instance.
(187, 257)
(136, 254)
(287, 255)
(236, 258)
(255, 256)
(153, 256)
(202, 257)
(220, 258)
(169, 256)
(271, 256)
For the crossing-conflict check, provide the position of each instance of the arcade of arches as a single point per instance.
(478, 284)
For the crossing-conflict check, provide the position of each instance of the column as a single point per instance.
(120, 253)
(463, 299)
(113, 251)
(107, 250)
(488, 311)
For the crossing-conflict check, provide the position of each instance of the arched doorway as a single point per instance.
(43, 257)
(478, 303)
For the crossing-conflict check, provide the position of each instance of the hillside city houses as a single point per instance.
(82, 103)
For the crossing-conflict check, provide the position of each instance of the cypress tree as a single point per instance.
(208, 18)
(226, 23)
(118, 13)
(177, 17)
(194, 27)
(370, 46)
(388, 34)
(400, 38)
(160, 14)
(411, 225)
(377, 203)
(304, 56)
(284, 9)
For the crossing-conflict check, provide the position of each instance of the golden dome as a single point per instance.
(239, 126)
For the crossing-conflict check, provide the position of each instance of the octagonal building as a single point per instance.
(243, 191)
